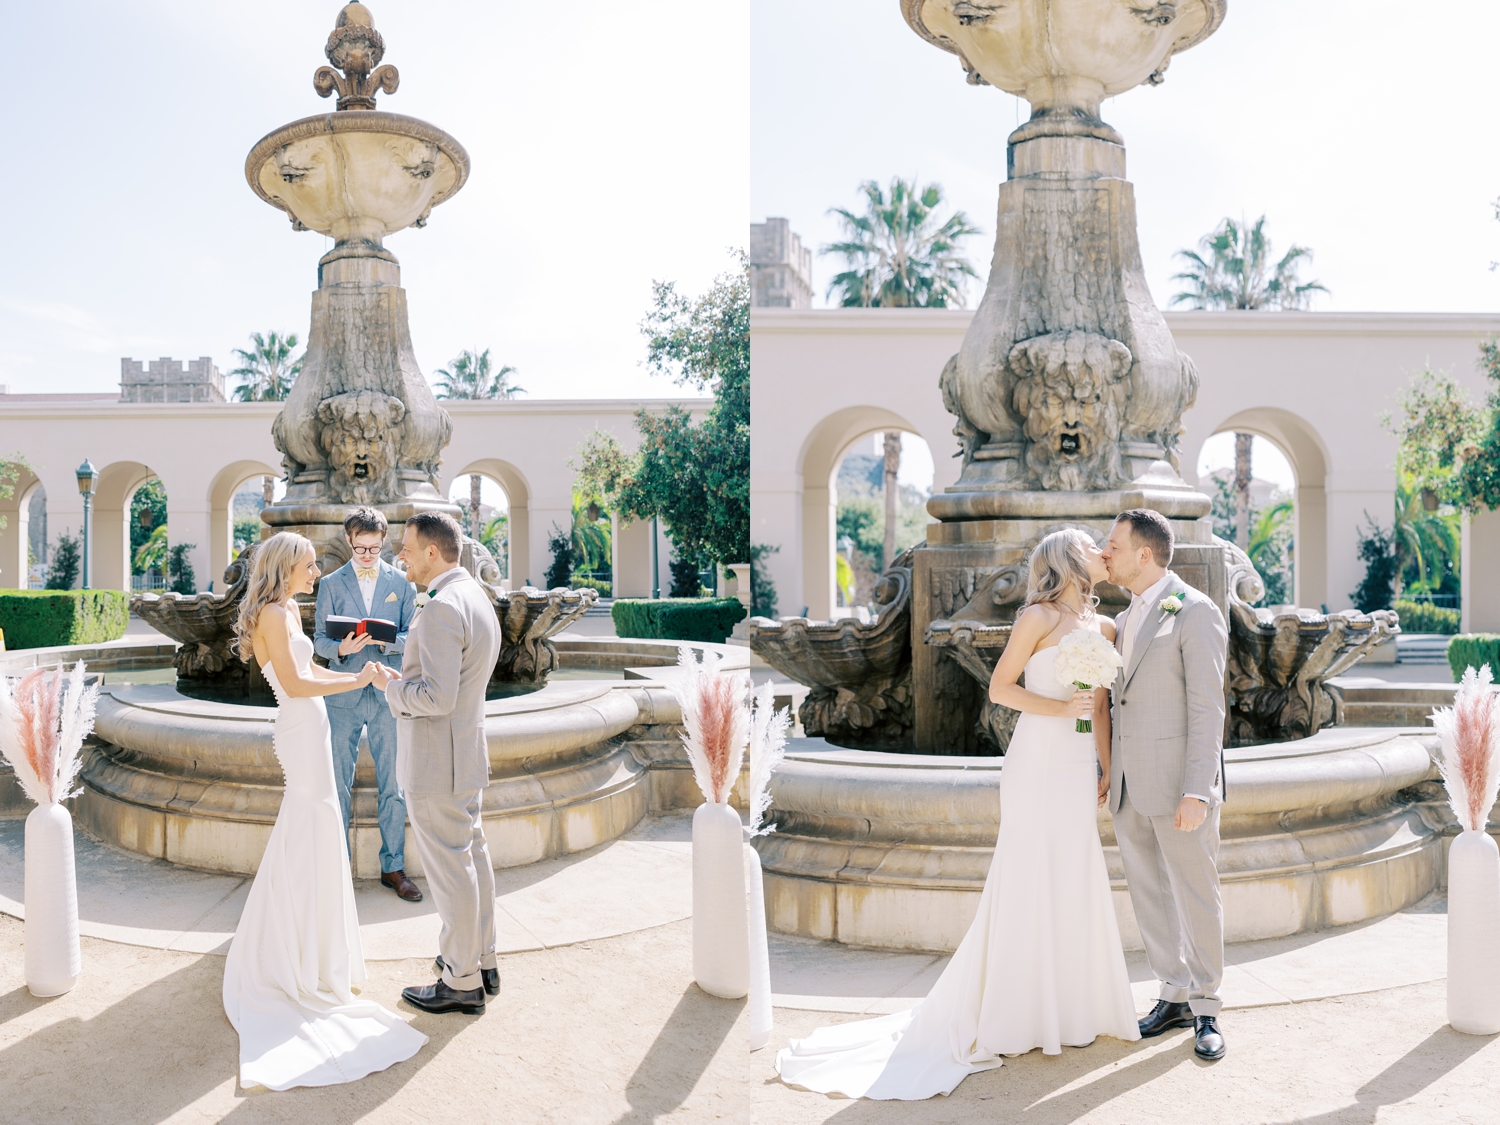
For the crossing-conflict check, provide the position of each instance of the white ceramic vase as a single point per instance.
(1473, 934)
(759, 1013)
(52, 957)
(721, 949)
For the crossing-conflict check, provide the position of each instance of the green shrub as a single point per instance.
(1476, 649)
(1423, 617)
(46, 618)
(603, 585)
(677, 619)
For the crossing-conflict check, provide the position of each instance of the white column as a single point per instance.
(1350, 495)
(1479, 563)
(776, 502)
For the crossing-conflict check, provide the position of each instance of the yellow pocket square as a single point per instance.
(393, 597)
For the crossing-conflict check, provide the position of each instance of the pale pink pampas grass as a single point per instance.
(717, 721)
(768, 728)
(44, 718)
(1470, 733)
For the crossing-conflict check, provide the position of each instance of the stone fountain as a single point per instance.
(1068, 394)
(361, 425)
(186, 774)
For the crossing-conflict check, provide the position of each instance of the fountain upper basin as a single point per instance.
(357, 176)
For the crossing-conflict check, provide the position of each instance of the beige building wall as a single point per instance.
(204, 452)
(1315, 384)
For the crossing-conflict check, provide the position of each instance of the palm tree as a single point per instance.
(1267, 548)
(469, 376)
(898, 254)
(267, 369)
(1421, 537)
(1232, 269)
(589, 535)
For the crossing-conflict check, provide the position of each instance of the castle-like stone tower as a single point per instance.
(780, 267)
(169, 380)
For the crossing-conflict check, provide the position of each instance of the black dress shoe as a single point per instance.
(1164, 1016)
(438, 997)
(491, 977)
(1208, 1043)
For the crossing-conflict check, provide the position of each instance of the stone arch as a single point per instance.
(518, 498)
(16, 513)
(221, 492)
(817, 462)
(1307, 452)
(109, 543)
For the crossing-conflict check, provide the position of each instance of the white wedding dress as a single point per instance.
(295, 959)
(1041, 965)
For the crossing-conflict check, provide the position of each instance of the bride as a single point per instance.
(1042, 964)
(295, 960)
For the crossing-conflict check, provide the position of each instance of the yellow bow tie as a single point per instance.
(365, 573)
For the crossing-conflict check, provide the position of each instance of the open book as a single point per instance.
(378, 627)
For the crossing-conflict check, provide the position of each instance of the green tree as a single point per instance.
(560, 571)
(10, 475)
(152, 554)
(184, 581)
(1477, 468)
(495, 537)
(1423, 539)
(468, 376)
(694, 477)
(267, 368)
(1437, 425)
(1270, 537)
(762, 587)
(590, 536)
(62, 571)
(1233, 269)
(1377, 589)
(148, 511)
(897, 252)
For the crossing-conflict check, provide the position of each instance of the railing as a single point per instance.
(147, 583)
(1441, 601)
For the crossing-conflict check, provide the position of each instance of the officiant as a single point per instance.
(363, 588)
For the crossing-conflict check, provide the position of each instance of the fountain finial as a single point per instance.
(355, 47)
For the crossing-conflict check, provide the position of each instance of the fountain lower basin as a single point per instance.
(891, 850)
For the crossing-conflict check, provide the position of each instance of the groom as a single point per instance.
(1166, 781)
(443, 760)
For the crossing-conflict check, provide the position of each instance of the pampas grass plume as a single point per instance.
(768, 729)
(1470, 734)
(717, 721)
(44, 718)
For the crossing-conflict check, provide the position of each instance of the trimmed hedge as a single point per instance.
(1423, 617)
(1476, 649)
(46, 618)
(677, 619)
(601, 586)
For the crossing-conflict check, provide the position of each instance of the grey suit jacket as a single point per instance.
(1167, 733)
(451, 651)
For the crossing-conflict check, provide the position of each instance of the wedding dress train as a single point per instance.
(1041, 965)
(296, 958)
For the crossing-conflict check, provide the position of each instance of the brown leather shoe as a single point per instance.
(403, 886)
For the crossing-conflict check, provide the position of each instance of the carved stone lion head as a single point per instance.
(1070, 392)
(361, 437)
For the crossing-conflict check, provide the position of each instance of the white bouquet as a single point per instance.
(1087, 660)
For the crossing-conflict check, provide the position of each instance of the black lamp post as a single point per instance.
(88, 477)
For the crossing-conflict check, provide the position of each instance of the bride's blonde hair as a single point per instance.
(1058, 562)
(270, 584)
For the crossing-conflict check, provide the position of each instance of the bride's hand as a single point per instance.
(367, 673)
(1080, 706)
(1103, 789)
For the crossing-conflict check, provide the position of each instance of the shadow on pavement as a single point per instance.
(680, 1055)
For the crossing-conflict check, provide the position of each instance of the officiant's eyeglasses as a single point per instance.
(368, 550)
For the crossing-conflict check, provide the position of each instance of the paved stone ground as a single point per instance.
(1385, 1057)
(610, 1031)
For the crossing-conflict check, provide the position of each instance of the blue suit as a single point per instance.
(351, 712)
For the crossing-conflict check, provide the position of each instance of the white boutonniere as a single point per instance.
(422, 599)
(1171, 603)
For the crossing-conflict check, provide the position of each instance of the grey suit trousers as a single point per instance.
(456, 861)
(1174, 887)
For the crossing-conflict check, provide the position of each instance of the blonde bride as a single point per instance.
(1041, 965)
(295, 961)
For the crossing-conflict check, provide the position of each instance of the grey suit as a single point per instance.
(1167, 741)
(443, 764)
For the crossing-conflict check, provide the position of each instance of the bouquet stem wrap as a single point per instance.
(1087, 661)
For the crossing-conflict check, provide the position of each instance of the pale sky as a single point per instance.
(608, 144)
(1363, 129)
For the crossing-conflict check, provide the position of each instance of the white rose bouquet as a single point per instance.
(1087, 660)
